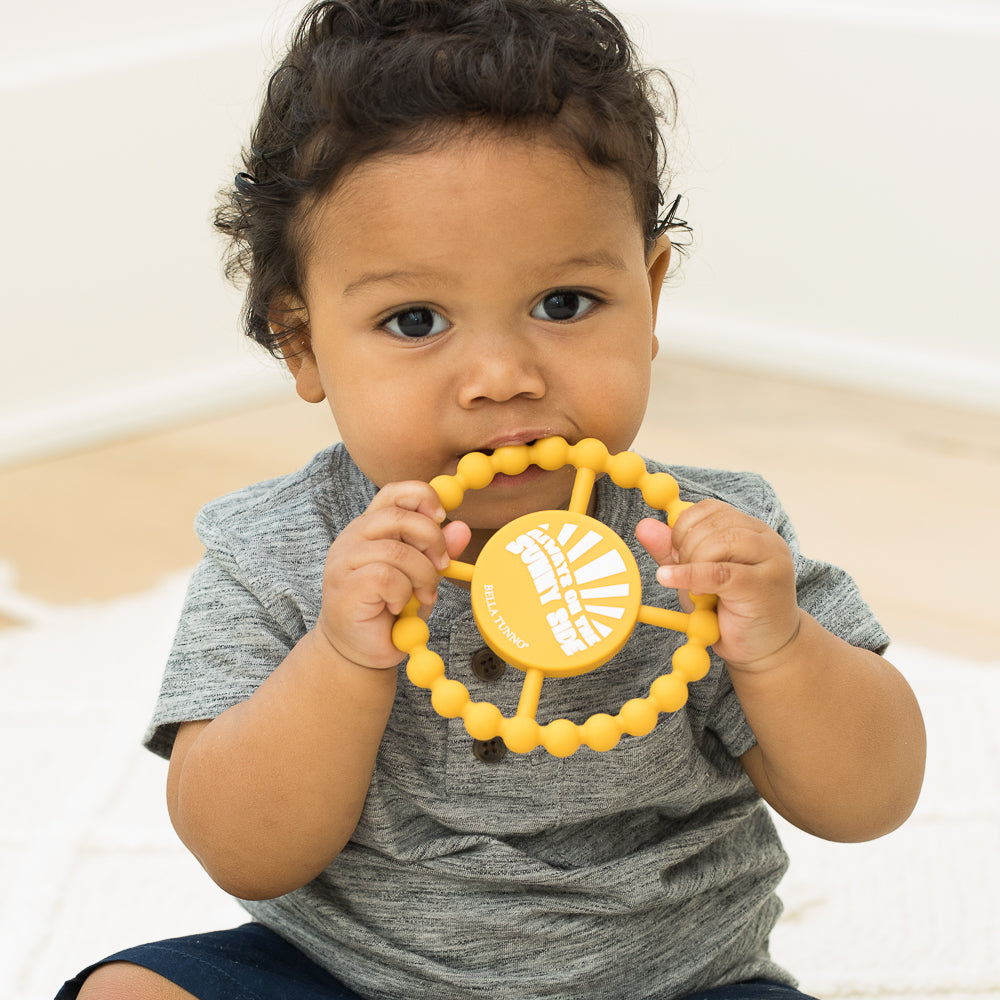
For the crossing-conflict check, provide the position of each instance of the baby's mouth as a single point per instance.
(524, 444)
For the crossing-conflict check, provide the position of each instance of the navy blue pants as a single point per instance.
(253, 963)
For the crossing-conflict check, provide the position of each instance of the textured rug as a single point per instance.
(88, 862)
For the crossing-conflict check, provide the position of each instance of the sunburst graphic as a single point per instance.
(556, 591)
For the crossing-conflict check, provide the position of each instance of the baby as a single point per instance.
(451, 225)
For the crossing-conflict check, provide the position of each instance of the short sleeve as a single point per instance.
(827, 592)
(225, 647)
(257, 590)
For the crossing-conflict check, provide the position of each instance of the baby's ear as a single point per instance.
(657, 262)
(290, 322)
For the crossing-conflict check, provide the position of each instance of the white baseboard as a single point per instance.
(934, 374)
(141, 407)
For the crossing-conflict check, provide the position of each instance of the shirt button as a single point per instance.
(487, 666)
(490, 751)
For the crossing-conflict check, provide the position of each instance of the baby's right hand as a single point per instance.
(393, 551)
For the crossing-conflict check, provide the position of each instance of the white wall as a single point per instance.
(840, 163)
(120, 122)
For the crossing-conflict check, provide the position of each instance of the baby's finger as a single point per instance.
(716, 532)
(383, 589)
(409, 527)
(657, 539)
(704, 577)
(391, 572)
(412, 495)
(457, 536)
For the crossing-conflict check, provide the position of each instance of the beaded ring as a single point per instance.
(557, 593)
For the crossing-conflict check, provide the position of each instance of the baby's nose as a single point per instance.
(500, 368)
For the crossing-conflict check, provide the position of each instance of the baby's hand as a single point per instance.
(716, 549)
(393, 551)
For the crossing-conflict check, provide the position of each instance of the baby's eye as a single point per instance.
(415, 323)
(563, 305)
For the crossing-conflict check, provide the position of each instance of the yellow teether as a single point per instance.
(555, 594)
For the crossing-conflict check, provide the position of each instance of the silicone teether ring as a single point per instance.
(556, 593)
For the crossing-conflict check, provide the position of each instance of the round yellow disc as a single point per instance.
(556, 591)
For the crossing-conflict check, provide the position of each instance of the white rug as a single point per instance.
(88, 862)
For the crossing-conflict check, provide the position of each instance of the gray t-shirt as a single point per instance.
(645, 871)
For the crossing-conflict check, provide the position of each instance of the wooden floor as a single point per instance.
(905, 495)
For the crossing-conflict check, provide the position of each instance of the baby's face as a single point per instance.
(487, 292)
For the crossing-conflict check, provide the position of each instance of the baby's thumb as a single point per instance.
(657, 539)
(456, 537)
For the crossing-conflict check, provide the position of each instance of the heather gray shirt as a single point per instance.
(646, 871)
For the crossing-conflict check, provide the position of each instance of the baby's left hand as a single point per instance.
(716, 549)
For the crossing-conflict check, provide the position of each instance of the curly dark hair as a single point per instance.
(367, 77)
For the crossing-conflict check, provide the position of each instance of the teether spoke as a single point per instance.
(677, 621)
(456, 570)
(531, 693)
(583, 487)
(555, 594)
